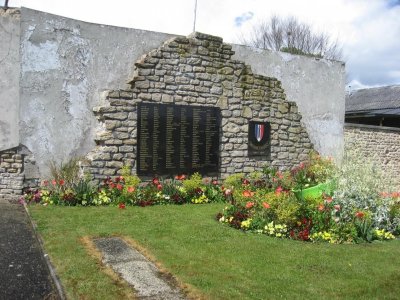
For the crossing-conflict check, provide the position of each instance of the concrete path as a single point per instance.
(24, 273)
(137, 270)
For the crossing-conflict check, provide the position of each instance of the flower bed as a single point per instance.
(284, 205)
(127, 190)
(314, 201)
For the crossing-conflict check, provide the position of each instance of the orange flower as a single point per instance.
(396, 195)
(180, 177)
(266, 205)
(248, 193)
(321, 207)
(360, 214)
(131, 189)
(249, 205)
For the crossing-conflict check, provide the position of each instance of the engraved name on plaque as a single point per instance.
(176, 139)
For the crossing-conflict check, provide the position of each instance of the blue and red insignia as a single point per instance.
(259, 131)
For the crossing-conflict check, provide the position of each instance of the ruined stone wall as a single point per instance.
(379, 144)
(11, 174)
(199, 70)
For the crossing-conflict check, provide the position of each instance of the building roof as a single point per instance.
(381, 100)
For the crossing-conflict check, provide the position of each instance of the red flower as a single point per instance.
(119, 186)
(53, 182)
(45, 183)
(336, 207)
(249, 205)
(360, 214)
(121, 206)
(131, 189)
(278, 190)
(266, 205)
(248, 193)
(111, 185)
(245, 181)
(156, 181)
(159, 187)
(61, 182)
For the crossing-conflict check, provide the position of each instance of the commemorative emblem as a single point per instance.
(259, 141)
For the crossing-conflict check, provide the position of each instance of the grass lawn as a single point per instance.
(218, 261)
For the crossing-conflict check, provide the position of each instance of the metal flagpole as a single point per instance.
(195, 13)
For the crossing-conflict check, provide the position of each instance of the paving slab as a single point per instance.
(137, 270)
(24, 273)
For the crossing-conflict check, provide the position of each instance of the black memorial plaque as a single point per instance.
(177, 139)
(259, 139)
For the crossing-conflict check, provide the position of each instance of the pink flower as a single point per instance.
(156, 181)
(45, 183)
(54, 182)
(215, 182)
(278, 190)
(159, 187)
(328, 199)
(131, 189)
(227, 192)
(336, 207)
(119, 186)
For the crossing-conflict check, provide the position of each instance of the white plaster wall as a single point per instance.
(9, 78)
(316, 85)
(65, 66)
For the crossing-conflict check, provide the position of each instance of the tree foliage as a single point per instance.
(292, 36)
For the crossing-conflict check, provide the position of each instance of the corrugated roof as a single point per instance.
(380, 98)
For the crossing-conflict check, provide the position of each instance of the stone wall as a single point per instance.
(199, 70)
(11, 174)
(380, 144)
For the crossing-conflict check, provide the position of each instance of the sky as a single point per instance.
(369, 30)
